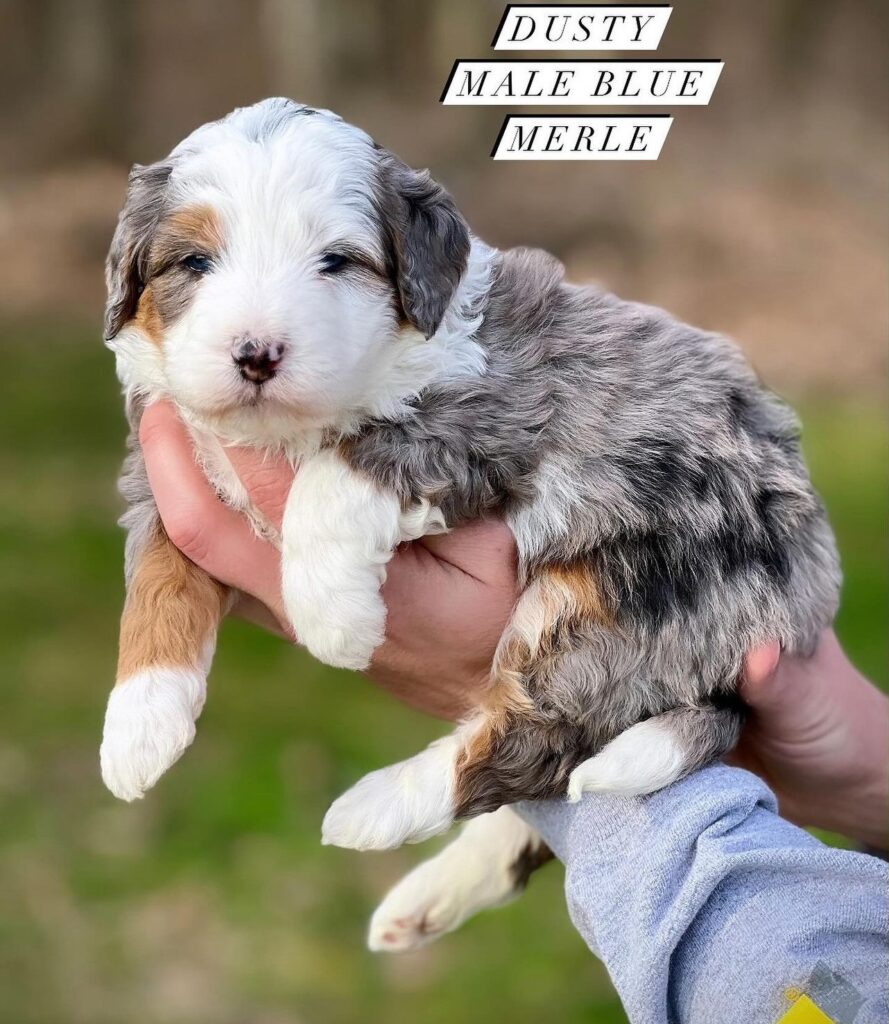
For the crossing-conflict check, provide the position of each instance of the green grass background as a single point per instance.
(212, 900)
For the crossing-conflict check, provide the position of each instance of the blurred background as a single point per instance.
(212, 902)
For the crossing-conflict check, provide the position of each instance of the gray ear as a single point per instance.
(427, 238)
(125, 266)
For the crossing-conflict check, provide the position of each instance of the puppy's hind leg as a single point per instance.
(167, 638)
(402, 803)
(509, 751)
(487, 865)
(657, 752)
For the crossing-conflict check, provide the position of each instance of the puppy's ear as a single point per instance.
(427, 240)
(125, 266)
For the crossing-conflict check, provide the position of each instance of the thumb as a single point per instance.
(760, 684)
(266, 477)
(210, 533)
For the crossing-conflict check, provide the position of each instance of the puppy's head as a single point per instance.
(270, 264)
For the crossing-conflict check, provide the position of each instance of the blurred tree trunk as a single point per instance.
(407, 35)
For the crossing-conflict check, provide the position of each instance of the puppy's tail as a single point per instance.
(655, 753)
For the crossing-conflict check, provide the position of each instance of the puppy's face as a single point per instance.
(270, 268)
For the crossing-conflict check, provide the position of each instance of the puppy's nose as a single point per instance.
(257, 359)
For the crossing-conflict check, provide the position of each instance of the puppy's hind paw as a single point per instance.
(642, 759)
(484, 867)
(402, 934)
(405, 803)
(149, 723)
(423, 906)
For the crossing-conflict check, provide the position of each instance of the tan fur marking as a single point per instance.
(192, 230)
(557, 597)
(171, 609)
(147, 318)
(199, 226)
(480, 743)
(575, 593)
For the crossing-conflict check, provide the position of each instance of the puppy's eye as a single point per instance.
(197, 263)
(333, 262)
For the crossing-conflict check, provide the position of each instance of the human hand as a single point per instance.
(460, 586)
(818, 733)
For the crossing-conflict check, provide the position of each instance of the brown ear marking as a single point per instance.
(515, 753)
(172, 608)
(125, 268)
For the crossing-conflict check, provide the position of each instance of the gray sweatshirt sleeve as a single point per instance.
(706, 906)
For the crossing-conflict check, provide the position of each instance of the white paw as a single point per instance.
(642, 759)
(435, 898)
(416, 912)
(339, 532)
(337, 627)
(477, 871)
(577, 783)
(405, 803)
(149, 723)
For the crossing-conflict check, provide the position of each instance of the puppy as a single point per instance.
(291, 285)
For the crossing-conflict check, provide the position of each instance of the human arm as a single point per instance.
(818, 733)
(706, 906)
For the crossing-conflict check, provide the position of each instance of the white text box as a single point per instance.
(581, 82)
(582, 137)
(581, 27)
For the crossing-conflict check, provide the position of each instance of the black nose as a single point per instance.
(258, 359)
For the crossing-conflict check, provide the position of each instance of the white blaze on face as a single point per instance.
(273, 189)
(282, 202)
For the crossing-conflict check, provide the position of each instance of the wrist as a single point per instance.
(866, 803)
(857, 803)
(872, 824)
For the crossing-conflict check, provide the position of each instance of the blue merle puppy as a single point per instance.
(291, 285)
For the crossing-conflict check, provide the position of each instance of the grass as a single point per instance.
(212, 901)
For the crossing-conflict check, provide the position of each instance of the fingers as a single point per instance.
(796, 700)
(759, 670)
(464, 583)
(460, 585)
(448, 600)
(776, 683)
(485, 550)
(252, 610)
(267, 479)
(215, 537)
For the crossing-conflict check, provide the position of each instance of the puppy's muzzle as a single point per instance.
(257, 359)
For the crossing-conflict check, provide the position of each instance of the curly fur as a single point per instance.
(664, 518)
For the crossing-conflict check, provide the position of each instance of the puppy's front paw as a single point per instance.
(339, 626)
(149, 723)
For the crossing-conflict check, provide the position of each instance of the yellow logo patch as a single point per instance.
(804, 1011)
